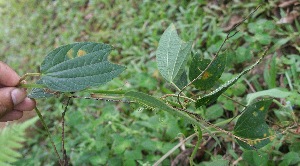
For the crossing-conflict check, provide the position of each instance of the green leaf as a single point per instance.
(213, 96)
(275, 92)
(154, 103)
(255, 158)
(251, 126)
(242, 54)
(182, 81)
(214, 112)
(291, 158)
(150, 102)
(270, 73)
(171, 54)
(78, 66)
(11, 138)
(211, 75)
(39, 92)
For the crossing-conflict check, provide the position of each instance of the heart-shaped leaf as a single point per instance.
(210, 75)
(252, 127)
(213, 96)
(78, 66)
(171, 54)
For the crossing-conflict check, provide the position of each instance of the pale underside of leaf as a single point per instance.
(275, 92)
(172, 54)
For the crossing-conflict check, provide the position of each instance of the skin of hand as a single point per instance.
(13, 100)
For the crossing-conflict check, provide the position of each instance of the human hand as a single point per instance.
(13, 100)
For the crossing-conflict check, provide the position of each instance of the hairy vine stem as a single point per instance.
(63, 149)
(199, 132)
(49, 134)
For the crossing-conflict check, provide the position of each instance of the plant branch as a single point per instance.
(173, 149)
(48, 132)
(173, 95)
(196, 146)
(234, 100)
(65, 157)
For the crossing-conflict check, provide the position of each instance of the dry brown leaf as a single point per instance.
(285, 4)
(289, 18)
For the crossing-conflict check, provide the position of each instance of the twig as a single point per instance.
(48, 132)
(100, 98)
(65, 157)
(250, 86)
(234, 100)
(173, 149)
(173, 95)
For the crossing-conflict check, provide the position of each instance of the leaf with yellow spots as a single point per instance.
(211, 75)
(251, 126)
(78, 66)
(213, 96)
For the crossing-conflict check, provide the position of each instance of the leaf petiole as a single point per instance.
(29, 75)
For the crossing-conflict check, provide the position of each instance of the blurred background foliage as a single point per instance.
(105, 133)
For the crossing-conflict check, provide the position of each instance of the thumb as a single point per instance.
(9, 97)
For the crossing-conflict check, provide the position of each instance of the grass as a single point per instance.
(101, 133)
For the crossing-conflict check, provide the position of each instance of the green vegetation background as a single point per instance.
(100, 132)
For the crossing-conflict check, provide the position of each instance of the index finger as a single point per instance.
(8, 77)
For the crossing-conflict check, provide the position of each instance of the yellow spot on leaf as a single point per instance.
(205, 75)
(254, 114)
(70, 54)
(81, 53)
(265, 135)
(262, 108)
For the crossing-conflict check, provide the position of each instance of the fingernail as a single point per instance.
(18, 95)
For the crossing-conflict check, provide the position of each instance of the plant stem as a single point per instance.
(28, 75)
(175, 86)
(196, 146)
(233, 100)
(173, 95)
(173, 149)
(64, 152)
(48, 132)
